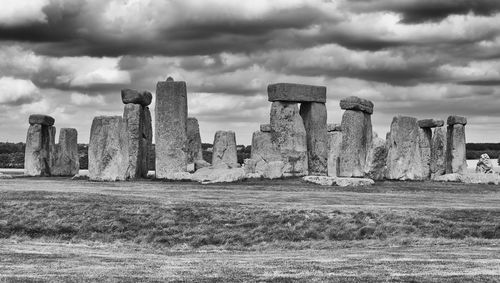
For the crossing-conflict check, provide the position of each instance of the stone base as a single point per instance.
(341, 182)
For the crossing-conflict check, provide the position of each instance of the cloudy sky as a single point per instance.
(422, 58)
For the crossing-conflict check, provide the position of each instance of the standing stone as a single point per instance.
(224, 149)
(288, 135)
(404, 161)
(40, 146)
(263, 151)
(314, 115)
(377, 159)
(286, 92)
(66, 161)
(108, 149)
(137, 119)
(334, 147)
(171, 128)
(194, 140)
(425, 141)
(438, 152)
(456, 161)
(356, 141)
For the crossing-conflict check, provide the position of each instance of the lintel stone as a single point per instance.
(296, 93)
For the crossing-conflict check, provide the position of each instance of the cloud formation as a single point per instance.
(425, 58)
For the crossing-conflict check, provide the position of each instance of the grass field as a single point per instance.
(54, 229)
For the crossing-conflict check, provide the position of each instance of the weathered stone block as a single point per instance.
(456, 161)
(377, 159)
(404, 161)
(224, 149)
(454, 120)
(108, 149)
(425, 141)
(135, 97)
(356, 141)
(40, 119)
(334, 148)
(263, 151)
(193, 140)
(40, 145)
(334, 127)
(171, 128)
(137, 119)
(296, 93)
(288, 135)
(438, 153)
(314, 116)
(67, 160)
(430, 123)
(356, 103)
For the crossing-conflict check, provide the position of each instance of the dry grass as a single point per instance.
(279, 231)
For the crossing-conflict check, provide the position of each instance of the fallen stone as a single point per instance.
(377, 159)
(454, 177)
(456, 161)
(180, 176)
(253, 176)
(80, 177)
(314, 116)
(224, 148)
(353, 182)
(430, 123)
(210, 175)
(438, 152)
(171, 128)
(266, 128)
(288, 136)
(67, 159)
(356, 103)
(40, 119)
(287, 92)
(356, 142)
(404, 161)
(484, 164)
(334, 148)
(108, 149)
(320, 180)
(133, 96)
(274, 170)
(200, 163)
(5, 176)
(334, 127)
(454, 120)
(194, 150)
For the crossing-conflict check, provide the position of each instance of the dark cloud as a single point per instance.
(419, 11)
(482, 82)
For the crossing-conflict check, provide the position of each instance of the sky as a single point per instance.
(421, 58)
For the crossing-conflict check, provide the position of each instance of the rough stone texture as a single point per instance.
(353, 182)
(314, 116)
(39, 152)
(334, 147)
(288, 135)
(108, 149)
(171, 128)
(40, 119)
(377, 159)
(135, 97)
(224, 149)
(249, 165)
(484, 164)
(287, 92)
(67, 160)
(193, 140)
(356, 103)
(456, 161)
(430, 123)
(211, 175)
(438, 152)
(266, 128)
(334, 127)
(356, 142)
(180, 176)
(454, 177)
(425, 141)
(454, 120)
(274, 170)
(404, 161)
(320, 180)
(200, 163)
(341, 182)
(263, 151)
(5, 176)
(137, 119)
